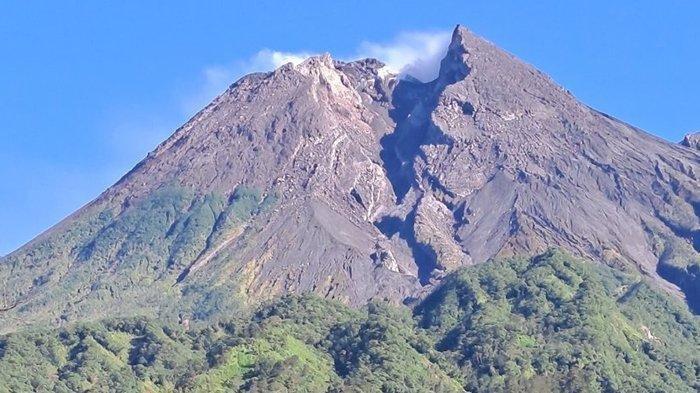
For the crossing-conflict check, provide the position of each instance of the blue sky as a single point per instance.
(86, 90)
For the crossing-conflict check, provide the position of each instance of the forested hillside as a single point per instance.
(541, 324)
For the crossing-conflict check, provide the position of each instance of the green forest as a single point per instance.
(547, 323)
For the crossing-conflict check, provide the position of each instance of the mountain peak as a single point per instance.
(453, 66)
(326, 177)
(467, 52)
(460, 35)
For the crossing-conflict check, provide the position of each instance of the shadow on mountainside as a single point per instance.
(413, 103)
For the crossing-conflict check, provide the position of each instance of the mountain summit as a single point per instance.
(335, 178)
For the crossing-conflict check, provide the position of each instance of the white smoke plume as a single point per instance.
(417, 54)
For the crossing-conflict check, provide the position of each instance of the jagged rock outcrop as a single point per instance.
(692, 140)
(339, 179)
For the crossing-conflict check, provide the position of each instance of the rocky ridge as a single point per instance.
(692, 140)
(336, 178)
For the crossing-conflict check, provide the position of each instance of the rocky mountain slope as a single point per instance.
(342, 180)
(692, 140)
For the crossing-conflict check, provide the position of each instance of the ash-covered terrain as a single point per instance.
(342, 180)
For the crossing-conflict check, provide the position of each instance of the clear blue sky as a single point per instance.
(87, 90)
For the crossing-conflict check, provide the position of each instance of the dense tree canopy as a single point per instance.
(548, 323)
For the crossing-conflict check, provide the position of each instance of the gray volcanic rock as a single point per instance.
(524, 166)
(692, 140)
(338, 179)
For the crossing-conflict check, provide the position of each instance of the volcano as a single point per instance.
(344, 180)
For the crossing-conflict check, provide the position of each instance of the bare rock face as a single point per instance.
(692, 141)
(335, 178)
